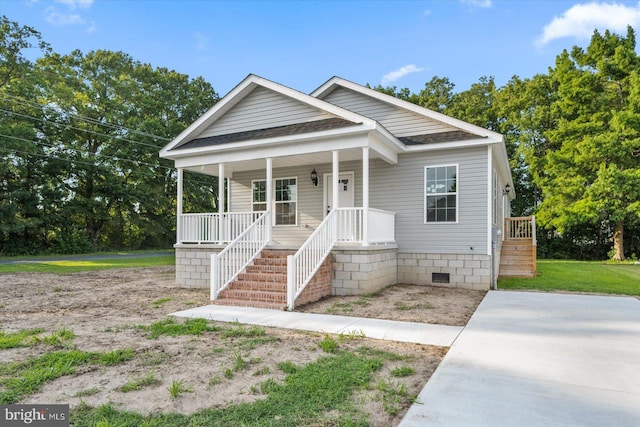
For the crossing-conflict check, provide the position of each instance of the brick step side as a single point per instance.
(253, 296)
(262, 277)
(258, 286)
(254, 304)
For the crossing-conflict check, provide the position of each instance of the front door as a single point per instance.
(346, 191)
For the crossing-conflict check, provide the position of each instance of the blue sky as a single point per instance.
(302, 44)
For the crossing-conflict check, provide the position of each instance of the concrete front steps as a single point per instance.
(264, 284)
(517, 259)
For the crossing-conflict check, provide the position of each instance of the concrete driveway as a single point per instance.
(536, 359)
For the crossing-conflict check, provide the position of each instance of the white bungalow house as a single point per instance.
(342, 191)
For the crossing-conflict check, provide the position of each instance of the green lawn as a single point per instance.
(70, 266)
(580, 276)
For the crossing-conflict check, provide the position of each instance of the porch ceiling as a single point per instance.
(311, 159)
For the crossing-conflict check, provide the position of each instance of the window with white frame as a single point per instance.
(441, 193)
(259, 197)
(285, 199)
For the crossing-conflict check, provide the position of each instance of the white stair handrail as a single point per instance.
(232, 260)
(302, 266)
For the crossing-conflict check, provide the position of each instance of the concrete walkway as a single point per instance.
(534, 359)
(420, 333)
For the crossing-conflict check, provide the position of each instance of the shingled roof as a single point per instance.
(457, 135)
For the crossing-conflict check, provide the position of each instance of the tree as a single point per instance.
(592, 164)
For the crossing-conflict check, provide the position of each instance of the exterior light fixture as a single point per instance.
(507, 189)
(314, 177)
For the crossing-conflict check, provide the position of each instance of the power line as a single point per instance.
(61, 125)
(139, 162)
(23, 101)
(13, 150)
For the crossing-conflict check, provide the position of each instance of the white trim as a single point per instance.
(365, 196)
(271, 205)
(457, 193)
(489, 201)
(325, 189)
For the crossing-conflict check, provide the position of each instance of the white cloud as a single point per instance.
(400, 72)
(478, 3)
(76, 4)
(63, 19)
(580, 21)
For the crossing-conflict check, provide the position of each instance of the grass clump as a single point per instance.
(402, 371)
(328, 344)
(241, 331)
(172, 328)
(88, 392)
(395, 396)
(23, 338)
(139, 383)
(20, 379)
(288, 367)
(177, 388)
(157, 303)
(399, 305)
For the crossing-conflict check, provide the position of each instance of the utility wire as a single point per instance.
(23, 101)
(138, 162)
(13, 150)
(61, 125)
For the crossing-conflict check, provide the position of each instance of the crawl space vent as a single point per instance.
(440, 277)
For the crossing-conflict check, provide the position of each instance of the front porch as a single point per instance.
(231, 255)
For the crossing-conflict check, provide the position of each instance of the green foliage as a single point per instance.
(172, 328)
(402, 371)
(395, 396)
(139, 383)
(23, 338)
(86, 174)
(177, 388)
(20, 379)
(241, 331)
(328, 344)
(288, 367)
(580, 276)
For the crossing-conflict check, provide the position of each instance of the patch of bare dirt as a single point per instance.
(107, 309)
(409, 303)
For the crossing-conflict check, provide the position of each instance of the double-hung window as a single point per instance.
(285, 201)
(441, 193)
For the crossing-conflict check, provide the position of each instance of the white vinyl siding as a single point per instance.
(441, 194)
(262, 109)
(398, 121)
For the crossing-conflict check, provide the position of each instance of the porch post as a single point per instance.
(179, 208)
(269, 197)
(365, 196)
(221, 219)
(336, 177)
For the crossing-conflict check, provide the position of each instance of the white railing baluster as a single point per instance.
(233, 259)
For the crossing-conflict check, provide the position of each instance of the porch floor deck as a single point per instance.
(419, 333)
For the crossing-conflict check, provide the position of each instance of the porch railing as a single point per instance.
(520, 228)
(208, 228)
(232, 260)
(307, 260)
(341, 225)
